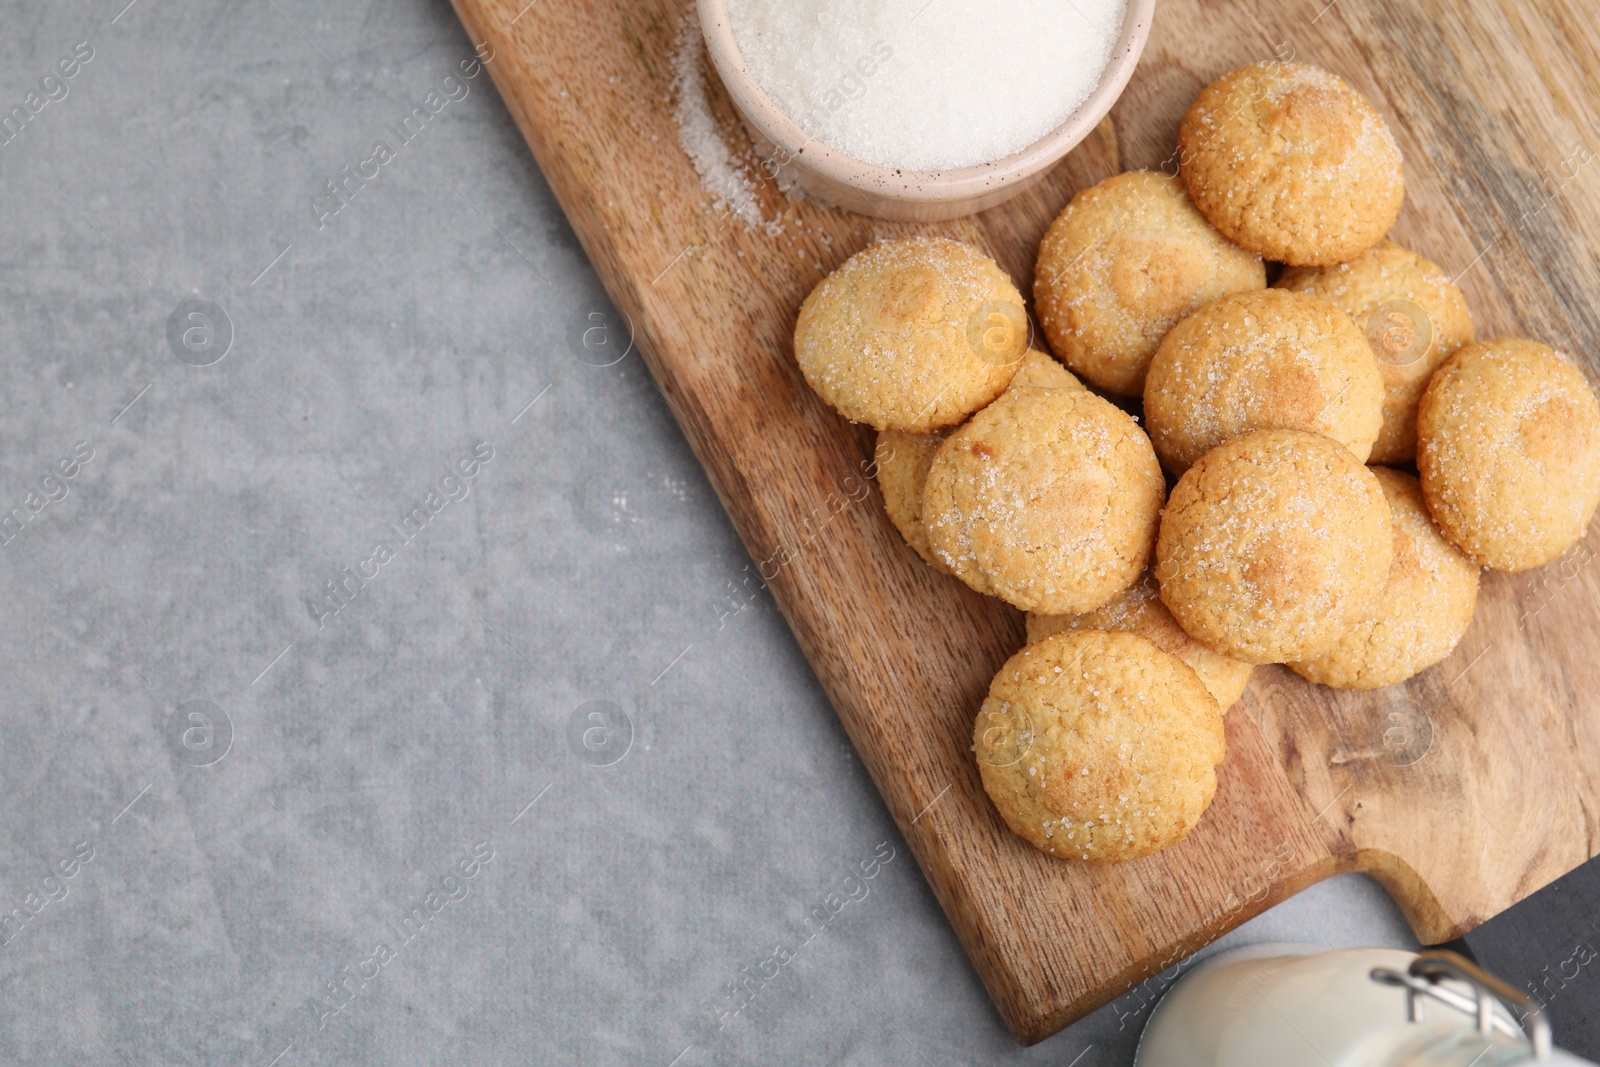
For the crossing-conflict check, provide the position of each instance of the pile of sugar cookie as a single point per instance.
(1278, 543)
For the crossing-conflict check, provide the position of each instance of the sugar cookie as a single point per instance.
(1139, 610)
(902, 459)
(1272, 359)
(1122, 263)
(1039, 371)
(912, 334)
(1273, 545)
(1098, 746)
(1508, 444)
(1048, 499)
(1289, 161)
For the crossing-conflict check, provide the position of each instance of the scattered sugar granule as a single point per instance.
(720, 173)
(927, 84)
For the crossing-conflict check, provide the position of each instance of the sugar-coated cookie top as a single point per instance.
(1508, 445)
(912, 334)
(903, 459)
(1048, 499)
(1139, 610)
(1098, 746)
(1123, 262)
(1271, 359)
(1290, 162)
(1273, 545)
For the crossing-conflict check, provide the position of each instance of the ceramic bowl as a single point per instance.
(890, 193)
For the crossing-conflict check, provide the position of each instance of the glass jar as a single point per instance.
(1288, 1005)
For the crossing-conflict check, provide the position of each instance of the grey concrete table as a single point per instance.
(369, 698)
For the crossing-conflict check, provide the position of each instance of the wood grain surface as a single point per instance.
(1461, 791)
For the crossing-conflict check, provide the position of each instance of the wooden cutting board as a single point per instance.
(1461, 791)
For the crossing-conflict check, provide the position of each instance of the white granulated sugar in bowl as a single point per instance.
(927, 84)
